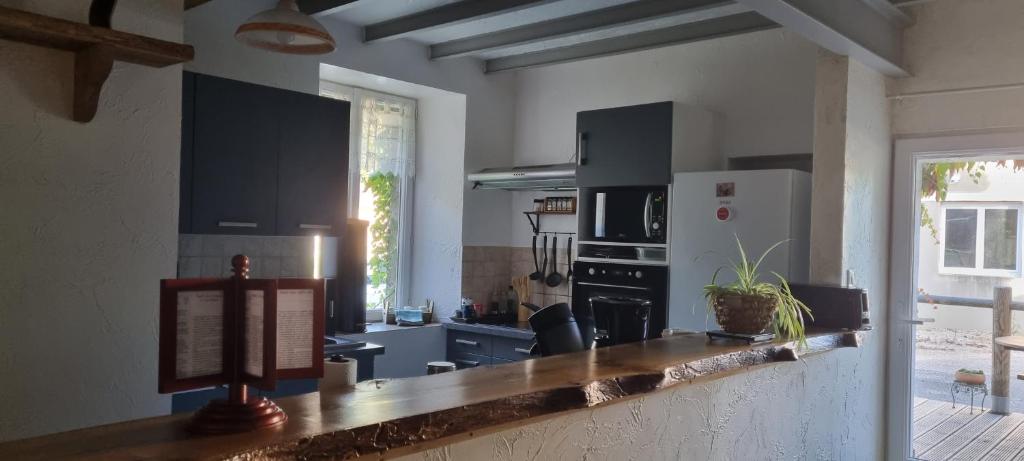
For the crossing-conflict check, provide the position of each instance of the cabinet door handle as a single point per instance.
(581, 148)
(469, 363)
(467, 342)
(250, 225)
(315, 226)
(522, 351)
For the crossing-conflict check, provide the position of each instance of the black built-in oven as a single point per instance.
(610, 298)
(636, 215)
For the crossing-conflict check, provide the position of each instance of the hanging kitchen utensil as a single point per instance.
(568, 259)
(544, 263)
(537, 274)
(554, 279)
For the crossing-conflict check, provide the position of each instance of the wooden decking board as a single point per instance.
(1009, 447)
(981, 445)
(961, 436)
(927, 423)
(928, 408)
(932, 437)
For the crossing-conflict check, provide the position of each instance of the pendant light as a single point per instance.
(285, 29)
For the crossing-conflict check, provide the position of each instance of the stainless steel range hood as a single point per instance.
(538, 177)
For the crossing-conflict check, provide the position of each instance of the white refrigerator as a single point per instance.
(711, 209)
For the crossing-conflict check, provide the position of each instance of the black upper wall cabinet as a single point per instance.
(263, 161)
(188, 97)
(313, 166)
(234, 173)
(625, 146)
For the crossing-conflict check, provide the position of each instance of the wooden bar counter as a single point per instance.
(385, 418)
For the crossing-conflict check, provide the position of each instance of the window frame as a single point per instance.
(979, 243)
(352, 94)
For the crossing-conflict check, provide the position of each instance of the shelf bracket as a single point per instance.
(534, 225)
(92, 67)
(95, 47)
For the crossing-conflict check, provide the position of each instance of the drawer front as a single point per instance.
(464, 342)
(463, 361)
(497, 361)
(511, 348)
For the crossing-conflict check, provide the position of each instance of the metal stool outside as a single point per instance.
(972, 389)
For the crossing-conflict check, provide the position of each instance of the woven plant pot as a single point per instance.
(745, 314)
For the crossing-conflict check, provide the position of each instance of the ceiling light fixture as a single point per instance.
(285, 29)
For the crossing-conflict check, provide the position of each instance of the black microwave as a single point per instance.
(634, 215)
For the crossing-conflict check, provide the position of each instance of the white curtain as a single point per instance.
(387, 133)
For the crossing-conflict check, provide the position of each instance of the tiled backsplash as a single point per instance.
(269, 256)
(485, 269)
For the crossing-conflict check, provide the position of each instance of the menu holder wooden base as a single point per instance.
(238, 413)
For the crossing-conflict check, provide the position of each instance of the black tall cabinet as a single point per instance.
(625, 146)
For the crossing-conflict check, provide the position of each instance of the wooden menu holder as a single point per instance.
(225, 331)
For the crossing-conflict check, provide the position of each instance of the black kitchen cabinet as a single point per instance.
(188, 92)
(469, 350)
(261, 161)
(234, 173)
(625, 146)
(313, 166)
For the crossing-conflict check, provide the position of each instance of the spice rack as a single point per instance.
(550, 206)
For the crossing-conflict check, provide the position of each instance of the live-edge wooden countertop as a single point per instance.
(393, 417)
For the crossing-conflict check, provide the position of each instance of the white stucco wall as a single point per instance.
(88, 227)
(784, 411)
(966, 67)
(761, 85)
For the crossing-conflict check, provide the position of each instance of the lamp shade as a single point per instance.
(285, 29)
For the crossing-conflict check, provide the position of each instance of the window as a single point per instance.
(383, 134)
(981, 239)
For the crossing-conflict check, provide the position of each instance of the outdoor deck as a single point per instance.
(942, 432)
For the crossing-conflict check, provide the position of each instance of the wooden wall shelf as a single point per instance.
(95, 47)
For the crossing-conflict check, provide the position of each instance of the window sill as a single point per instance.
(993, 273)
(378, 327)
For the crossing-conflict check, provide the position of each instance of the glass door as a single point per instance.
(956, 236)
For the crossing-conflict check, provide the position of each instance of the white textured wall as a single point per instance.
(810, 410)
(88, 227)
(761, 84)
(490, 100)
(957, 45)
(866, 215)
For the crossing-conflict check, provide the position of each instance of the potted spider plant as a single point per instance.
(751, 305)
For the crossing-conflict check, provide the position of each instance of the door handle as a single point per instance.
(467, 342)
(648, 210)
(581, 148)
(315, 226)
(921, 321)
(250, 225)
(522, 351)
